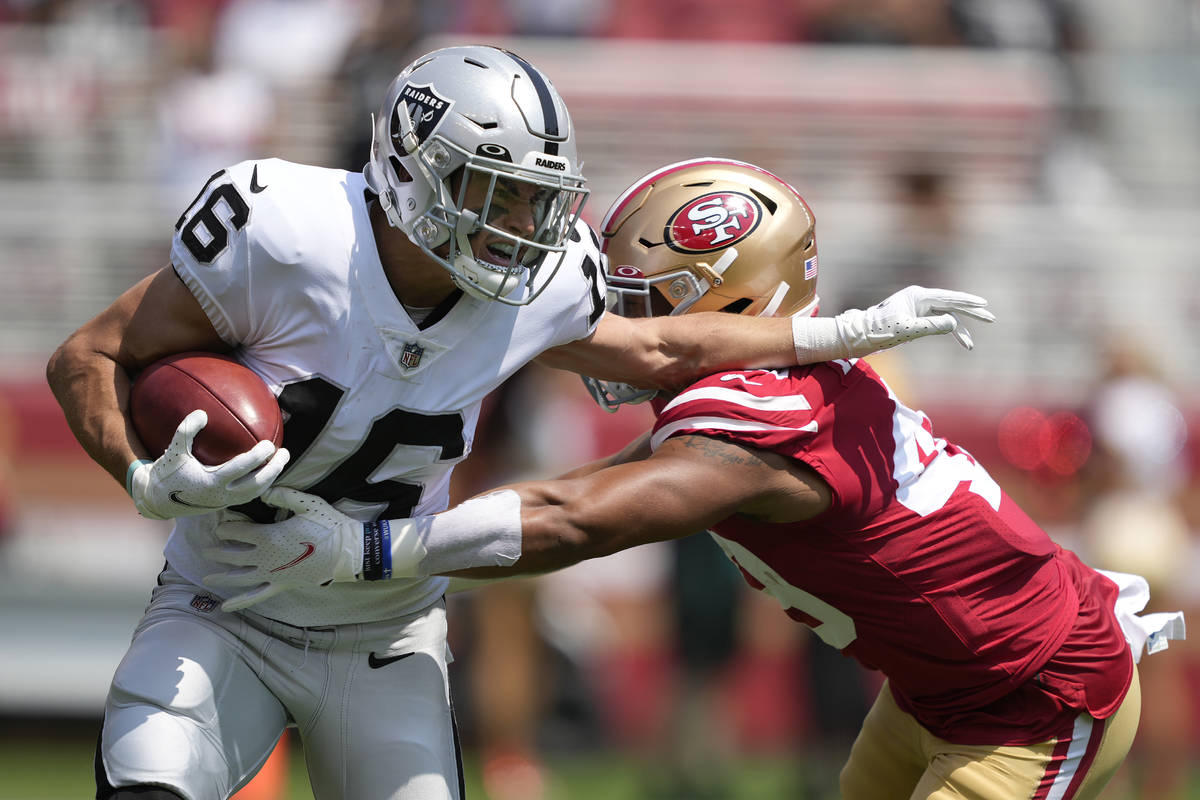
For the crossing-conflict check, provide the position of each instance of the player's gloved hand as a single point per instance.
(178, 485)
(907, 315)
(316, 546)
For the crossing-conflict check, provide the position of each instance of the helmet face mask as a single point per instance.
(708, 234)
(473, 143)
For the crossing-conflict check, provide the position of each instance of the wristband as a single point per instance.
(377, 551)
(817, 339)
(484, 531)
(134, 467)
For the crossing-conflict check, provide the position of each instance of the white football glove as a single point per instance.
(906, 315)
(178, 485)
(315, 547)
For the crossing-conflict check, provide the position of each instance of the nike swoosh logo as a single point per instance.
(255, 187)
(375, 662)
(175, 498)
(309, 549)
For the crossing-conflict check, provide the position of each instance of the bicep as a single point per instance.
(666, 496)
(156, 317)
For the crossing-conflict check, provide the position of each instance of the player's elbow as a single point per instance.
(560, 531)
(664, 363)
(64, 363)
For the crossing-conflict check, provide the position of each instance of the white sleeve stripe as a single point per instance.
(789, 402)
(720, 424)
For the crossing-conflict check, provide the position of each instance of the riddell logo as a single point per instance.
(712, 221)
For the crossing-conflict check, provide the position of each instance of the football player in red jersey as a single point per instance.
(1010, 664)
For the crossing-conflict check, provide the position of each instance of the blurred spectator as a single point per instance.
(921, 23)
(1043, 25)
(8, 452)
(920, 241)
(380, 49)
(712, 20)
(210, 115)
(1133, 520)
(526, 660)
(533, 17)
(287, 42)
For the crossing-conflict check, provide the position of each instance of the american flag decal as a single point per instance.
(411, 357)
(810, 268)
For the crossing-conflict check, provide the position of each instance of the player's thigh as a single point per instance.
(1116, 740)
(185, 710)
(1074, 767)
(887, 760)
(387, 729)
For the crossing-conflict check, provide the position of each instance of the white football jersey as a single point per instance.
(377, 412)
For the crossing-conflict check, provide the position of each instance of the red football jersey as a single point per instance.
(922, 567)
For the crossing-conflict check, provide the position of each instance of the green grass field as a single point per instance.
(41, 766)
(60, 768)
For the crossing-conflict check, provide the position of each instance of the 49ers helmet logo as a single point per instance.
(712, 221)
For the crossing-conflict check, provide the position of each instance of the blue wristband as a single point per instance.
(377, 551)
(129, 474)
(385, 550)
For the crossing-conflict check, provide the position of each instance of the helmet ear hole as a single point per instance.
(737, 306)
(766, 201)
(402, 174)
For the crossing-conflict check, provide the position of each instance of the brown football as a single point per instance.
(241, 409)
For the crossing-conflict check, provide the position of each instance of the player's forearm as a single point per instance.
(692, 346)
(520, 529)
(93, 391)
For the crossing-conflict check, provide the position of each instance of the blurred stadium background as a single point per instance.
(1043, 153)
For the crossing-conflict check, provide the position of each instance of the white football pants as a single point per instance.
(202, 696)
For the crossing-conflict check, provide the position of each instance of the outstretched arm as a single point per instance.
(669, 352)
(688, 485)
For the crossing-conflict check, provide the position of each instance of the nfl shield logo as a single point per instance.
(204, 602)
(411, 356)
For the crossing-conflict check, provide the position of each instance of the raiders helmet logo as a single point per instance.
(426, 109)
(712, 221)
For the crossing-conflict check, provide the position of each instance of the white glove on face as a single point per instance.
(315, 547)
(907, 315)
(178, 485)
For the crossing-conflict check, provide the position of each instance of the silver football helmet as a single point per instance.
(466, 140)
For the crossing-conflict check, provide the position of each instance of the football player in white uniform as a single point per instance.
(380, 308)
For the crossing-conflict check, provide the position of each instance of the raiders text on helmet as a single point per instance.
(481, 122)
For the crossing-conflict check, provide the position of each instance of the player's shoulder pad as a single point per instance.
(584, 260)
(281, 207)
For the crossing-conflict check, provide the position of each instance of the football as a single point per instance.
(241, 409)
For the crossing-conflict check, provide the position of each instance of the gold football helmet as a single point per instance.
(709, 234)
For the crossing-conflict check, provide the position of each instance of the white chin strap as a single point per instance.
(481, 282)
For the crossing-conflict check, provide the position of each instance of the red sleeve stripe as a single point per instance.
(739, 397)
(721, 424)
